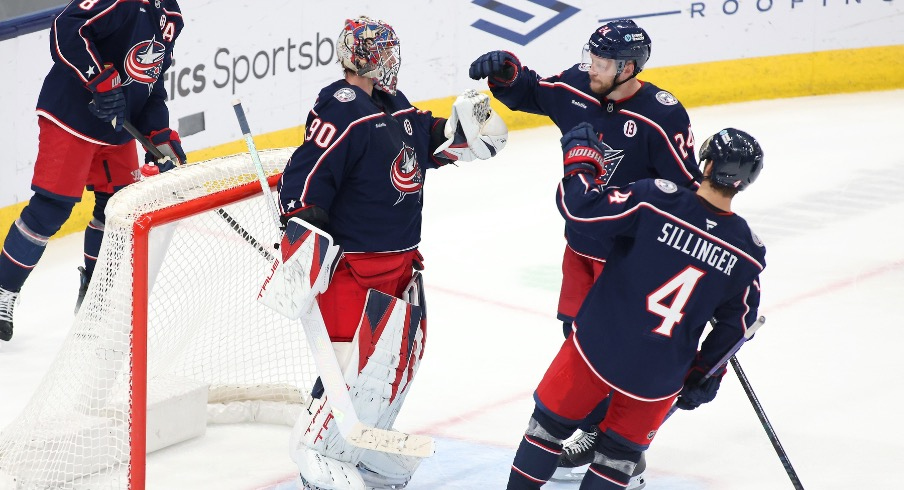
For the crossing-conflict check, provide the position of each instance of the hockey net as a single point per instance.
(171, 312)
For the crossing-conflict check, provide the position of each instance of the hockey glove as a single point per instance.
(109, 103)
(500, 67)
(473, 130)
(167, 141)
(698, 389)
(583, 151)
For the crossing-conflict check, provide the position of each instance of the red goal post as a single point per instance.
(170, 336)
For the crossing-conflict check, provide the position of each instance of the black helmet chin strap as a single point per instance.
(616, 83)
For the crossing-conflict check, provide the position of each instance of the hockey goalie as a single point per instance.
(358, 179)
(342, 440)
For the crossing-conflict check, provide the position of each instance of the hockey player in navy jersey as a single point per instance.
(360, 176)
(647, 135)
(680, 259)
(108, 57)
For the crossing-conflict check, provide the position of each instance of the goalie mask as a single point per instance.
(370, 48)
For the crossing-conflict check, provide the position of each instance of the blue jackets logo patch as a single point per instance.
(611, 159)
(144, 62)
(406, 174)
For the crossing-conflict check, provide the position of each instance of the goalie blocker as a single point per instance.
(376, 358)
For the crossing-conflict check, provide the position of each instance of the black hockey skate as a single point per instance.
(84, 280)
(7, 303)
(577, 454)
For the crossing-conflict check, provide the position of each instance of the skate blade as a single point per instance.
(570, 474)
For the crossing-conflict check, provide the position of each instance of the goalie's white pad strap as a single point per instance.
(485, 132)
(304, 269)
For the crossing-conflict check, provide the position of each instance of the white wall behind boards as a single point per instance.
(276, 54)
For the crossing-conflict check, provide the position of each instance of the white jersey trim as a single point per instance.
(51, 118)
(656, 210)
(307, 180)
(577, 345)
(572, 90)
(658, 128)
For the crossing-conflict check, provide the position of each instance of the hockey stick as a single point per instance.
(342, 409)
(235, 225)
(258, 166)
(773, 438)
(728, 355)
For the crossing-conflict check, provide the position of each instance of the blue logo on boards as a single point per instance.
(557, 13)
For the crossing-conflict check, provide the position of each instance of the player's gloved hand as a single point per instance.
(500, 67)
(109, 103)
(167, 141)
(697, 388)
(583, 151)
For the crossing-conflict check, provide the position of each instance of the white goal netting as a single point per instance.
(190, 247)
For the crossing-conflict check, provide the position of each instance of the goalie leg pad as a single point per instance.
(385, 470)
(318, 471)
(390, 344)
(385, 354)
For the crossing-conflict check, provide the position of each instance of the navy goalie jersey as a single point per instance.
(677, 262)
(363, 161)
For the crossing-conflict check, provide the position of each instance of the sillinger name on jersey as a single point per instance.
(697, 247)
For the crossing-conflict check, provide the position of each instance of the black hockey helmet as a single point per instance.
(623, 41)
(737, 158)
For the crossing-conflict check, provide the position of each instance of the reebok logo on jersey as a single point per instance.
(579, 104)
(710, 224)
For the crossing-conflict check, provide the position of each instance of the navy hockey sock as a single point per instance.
(94, 233)
(613, 463)
(595, 416)
(27, 239)
(535, 461)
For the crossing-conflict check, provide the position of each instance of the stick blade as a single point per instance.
(389, 441)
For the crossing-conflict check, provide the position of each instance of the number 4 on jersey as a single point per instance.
(682, 285)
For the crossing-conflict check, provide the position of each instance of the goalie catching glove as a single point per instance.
(474, 130)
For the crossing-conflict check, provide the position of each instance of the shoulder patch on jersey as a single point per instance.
(756, 239)
(666, 186)
(344, 94)
(666, 98)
